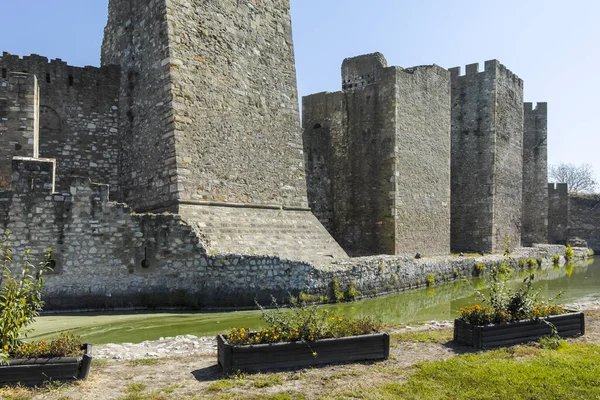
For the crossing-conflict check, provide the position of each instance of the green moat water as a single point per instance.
(579, 283)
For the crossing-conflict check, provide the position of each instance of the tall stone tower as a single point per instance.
(487, 158)
(210, 123)
(378, 156)
(535, 174)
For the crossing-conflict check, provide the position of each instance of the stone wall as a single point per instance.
(19, 121)
(422, 161)
(377, 157)
(136, 39)
(107, 256)
(535, 174)
(238, 137)
(78, 117)
(584, 219)
(558, 213)
(487, 158)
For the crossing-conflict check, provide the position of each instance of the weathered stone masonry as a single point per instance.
(487, 158)
(107, 256)
(78, 117)
(377, 158)
(193, 116)
(535, 174)
(19, 121)
(210, 122)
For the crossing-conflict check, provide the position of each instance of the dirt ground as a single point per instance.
(198, 377)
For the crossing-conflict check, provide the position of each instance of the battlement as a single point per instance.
(540, 108)
(363, 70)
(558, 189)
(490, 67)
(58, 71)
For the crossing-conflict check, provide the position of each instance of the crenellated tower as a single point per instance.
(487, 158)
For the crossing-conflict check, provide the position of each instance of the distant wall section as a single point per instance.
(584, 219)
(19, 121)
(535, 174)
(78, 117)
(558, 213)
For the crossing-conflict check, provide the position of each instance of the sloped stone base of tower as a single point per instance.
(289, 234)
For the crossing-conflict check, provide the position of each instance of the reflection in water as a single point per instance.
(579, 282)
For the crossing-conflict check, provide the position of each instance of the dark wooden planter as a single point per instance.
(261, 357)
(487, 336)
(36, 371)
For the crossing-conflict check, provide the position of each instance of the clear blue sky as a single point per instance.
(552, 45)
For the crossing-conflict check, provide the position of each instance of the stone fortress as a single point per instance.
(177, 173)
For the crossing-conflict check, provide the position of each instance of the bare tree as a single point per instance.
(580, 179)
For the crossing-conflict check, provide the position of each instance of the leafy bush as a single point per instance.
(64, 346)
(522, 262)
(20, 295)
(504, 269)
(531, 262)
(302, 323)
(569, 254)
(431, 279)
(352, 293)
(506, 305)
(479, 268)
(555, 259)
(336, 291)
(591, 252)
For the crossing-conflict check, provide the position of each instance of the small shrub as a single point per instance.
(338, 295)
(324, 299)
(431, 279)
(506, 305)
(381, 267)
(64, 346)
(504, 269)
(302, 323)
(456, 273)
(530, 262)
(539, 260)
(569, 254)
(395, 277)
(555, 259)
(352, 293)
(591, 253)
(522, 262)
(307, 298)
(550, 342)
(479, 268)
(20, 296)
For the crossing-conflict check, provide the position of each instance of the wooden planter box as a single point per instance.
(486, 336)
(261, 357)
(36, 371)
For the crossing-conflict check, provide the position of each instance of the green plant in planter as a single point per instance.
(21, 287)
(301, 323)
(506, 305)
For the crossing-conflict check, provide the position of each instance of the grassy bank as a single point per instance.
(424, 364)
